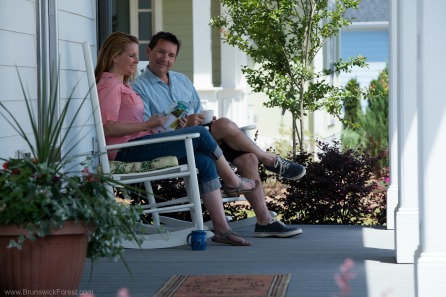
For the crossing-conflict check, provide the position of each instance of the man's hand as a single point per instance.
(194, 119)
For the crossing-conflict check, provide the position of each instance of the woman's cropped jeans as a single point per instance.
(206, 151)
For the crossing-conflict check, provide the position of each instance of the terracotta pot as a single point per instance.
(54, 263)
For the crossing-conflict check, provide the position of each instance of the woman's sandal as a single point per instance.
(224, 238)
(234, 192)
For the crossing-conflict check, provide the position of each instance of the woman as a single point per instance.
(122, 113)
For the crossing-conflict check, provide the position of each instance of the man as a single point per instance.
(160, 88)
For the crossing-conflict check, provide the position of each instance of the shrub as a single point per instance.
(338, 189)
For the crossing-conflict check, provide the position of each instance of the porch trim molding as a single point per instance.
(392, 191)
(407, 234)
(406, 223)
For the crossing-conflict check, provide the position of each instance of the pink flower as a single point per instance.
(123, 292)
(344, 276)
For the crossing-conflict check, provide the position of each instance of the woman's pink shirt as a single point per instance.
(119, 103)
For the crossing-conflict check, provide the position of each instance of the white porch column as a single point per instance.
(233, 96)
(406, 220)
(392, 191)
(231, 71)
(430, 261)
(202, 44)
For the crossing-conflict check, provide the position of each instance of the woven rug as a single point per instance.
(225, 286)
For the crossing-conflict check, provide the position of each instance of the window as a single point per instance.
(145, 20)
(141, 18)
(141, 23)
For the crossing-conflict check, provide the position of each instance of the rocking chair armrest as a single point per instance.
(248, 127)
(150, 141)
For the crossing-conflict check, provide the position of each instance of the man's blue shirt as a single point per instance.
(158, 96)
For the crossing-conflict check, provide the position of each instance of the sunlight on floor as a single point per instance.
(378, 237)
(383, 275)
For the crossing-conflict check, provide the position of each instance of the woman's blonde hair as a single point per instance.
(115, 44)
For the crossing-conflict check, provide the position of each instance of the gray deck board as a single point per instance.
(312, 259)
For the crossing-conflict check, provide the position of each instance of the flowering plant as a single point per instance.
(37, 197)
(42, 192)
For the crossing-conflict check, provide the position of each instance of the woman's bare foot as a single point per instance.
(245, 186)
(229, 237)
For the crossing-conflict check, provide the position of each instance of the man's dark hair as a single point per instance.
(166, 36)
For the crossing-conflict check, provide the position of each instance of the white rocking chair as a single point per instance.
(163, 232)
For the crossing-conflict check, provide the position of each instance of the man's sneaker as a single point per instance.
(287, 169)
(276, 228)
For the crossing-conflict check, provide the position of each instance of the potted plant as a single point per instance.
(45, 195)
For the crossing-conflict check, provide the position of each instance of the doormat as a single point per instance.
(270, 285)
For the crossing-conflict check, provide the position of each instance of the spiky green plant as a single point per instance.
(43, 192)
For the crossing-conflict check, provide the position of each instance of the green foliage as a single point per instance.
(352, 105)
(376, 120)
(40, 193)
(283, 37)
(371, 134)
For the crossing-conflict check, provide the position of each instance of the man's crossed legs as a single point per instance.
(245, 155)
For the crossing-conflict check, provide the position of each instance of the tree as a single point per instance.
(376, 120)
(371, 134)
(352, 104)
(283, 37)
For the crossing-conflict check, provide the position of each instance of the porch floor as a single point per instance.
(312, 259)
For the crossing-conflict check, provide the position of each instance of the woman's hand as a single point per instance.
(181, 123)
(155, 121)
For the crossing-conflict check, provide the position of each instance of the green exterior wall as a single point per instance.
(216, 47)
(177, 19)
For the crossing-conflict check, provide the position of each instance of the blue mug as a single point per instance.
(197, 240)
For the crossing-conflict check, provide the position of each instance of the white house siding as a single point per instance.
(268, 120)
(18, 39)
(364, 75)
(76, 22)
